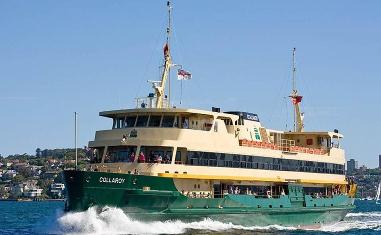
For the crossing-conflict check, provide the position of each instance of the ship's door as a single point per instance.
(217, 189)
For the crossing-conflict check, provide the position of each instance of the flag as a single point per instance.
(183, 75)
(296, 99)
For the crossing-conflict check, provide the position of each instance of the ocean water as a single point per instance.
(49, 218)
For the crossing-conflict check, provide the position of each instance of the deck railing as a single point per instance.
(285, 146)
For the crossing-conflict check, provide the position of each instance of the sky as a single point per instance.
(58, 57)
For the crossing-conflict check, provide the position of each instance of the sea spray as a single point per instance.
(112, 220)
(115, 221)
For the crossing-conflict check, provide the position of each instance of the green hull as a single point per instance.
(150, 197)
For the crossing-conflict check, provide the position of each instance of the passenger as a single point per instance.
(107, 157)
(159, 159)
(141, 158)
(268, 194)
(151, 157)
(166, 159)
(282, 193)
(236, 190)
(132, 157)
(231, 189)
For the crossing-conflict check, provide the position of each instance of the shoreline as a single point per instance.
(31, 200)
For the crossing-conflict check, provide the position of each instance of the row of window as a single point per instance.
(152, 121)
(255, 162)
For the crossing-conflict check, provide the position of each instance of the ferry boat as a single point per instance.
(162, 162)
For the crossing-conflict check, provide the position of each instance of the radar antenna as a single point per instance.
(296, 99)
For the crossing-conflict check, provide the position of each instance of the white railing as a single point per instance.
(149, 102)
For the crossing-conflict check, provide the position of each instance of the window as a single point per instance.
(256, 162)
(178, 157)
(120, 154)
(130, 121)
(154, 120)
(167, 121)
(119, 123)
(310, 142)
(142, 121)
(176, 123)
(113, 123)
(185, 122)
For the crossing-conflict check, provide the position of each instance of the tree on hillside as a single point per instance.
(18, 179)
(38, 152)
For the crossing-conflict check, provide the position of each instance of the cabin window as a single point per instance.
(154, 121)
(157, 154)
(241, 121)
(120, 154)
(114, 123)
(96, 155)
(178, 157)
(185, 122)
(142, 121)
(130, 121)
(168, 121)
(310, 142)
(176, 123)
(256, 162)
(119, 123)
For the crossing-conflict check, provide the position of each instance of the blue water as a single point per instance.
(48, 218)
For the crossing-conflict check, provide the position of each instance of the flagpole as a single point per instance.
(181, 90)
(75, 140)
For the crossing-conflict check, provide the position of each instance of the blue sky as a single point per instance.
(57, 57)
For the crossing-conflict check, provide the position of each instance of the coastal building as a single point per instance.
(352, 165)
(363, 168)
(33, 192)
(28, 189)
(9, 174)
(17, 190)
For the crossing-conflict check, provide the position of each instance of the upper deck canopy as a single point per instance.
(330, 134)
(122, 112)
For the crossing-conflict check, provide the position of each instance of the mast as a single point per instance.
(160, 86)
(296, 99)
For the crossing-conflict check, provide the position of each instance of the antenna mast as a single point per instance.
(293, 70)
(296, 99)
(159, 86)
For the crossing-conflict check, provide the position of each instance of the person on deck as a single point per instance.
(132, 157)
(166, 159)
(141, 158)
(159, 159)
